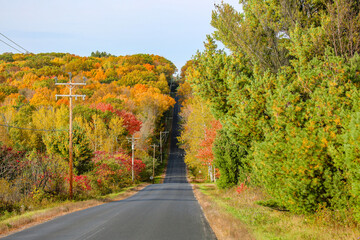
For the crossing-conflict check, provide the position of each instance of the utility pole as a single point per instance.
(161, 156)
(171, 83)
(214, 172)
(153, 176)
(70, 85)
(132, 140)
(167, 124)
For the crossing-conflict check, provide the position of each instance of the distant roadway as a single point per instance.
(166, 211)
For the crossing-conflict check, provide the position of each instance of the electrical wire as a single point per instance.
(32, 129)
(26, 51)
(11, 46)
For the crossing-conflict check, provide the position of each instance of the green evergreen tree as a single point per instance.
(58, 143)
(228, 155)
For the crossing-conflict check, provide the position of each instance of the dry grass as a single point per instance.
(238, 216)
(224, 225)
(33, 218)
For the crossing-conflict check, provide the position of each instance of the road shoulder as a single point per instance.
(30, 219)
(224, 225)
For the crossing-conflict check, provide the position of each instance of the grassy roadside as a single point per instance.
(242, 218)
(31, 218)
(159, 178)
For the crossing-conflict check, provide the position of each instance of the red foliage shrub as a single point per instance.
(10, 161)
(81, 183)
(113, 171)
(241, 188)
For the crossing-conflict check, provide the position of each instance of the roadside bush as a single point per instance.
(81, 186)
(113, 171)
(36, 178)
(148, 169)
(9, 159)
(44, 172)
(9, 197)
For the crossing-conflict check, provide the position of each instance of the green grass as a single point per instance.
(267, 222)
(111, 196)
(158, 179)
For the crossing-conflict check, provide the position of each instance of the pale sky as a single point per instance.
(173, 29)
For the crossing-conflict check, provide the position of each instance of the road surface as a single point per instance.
(160, 211)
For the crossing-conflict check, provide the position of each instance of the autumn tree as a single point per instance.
(195, 119)
(115, 106)
(286, 98)
(205, 154)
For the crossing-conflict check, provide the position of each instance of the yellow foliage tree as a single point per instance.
(196, 117)
(43, 97)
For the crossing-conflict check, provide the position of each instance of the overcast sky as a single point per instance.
(173, 29)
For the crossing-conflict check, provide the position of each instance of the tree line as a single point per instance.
(125, 96)
(285, 95)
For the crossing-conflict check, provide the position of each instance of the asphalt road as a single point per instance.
(160, 211)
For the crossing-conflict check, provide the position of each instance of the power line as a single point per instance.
(33, 129)
(11, 46)
(26, 51)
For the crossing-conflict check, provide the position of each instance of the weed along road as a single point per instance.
(159, 211)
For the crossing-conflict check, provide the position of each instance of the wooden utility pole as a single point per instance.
(167, 124)
(70, 85)
(132, 140)
(161, 157)
(153, 175)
